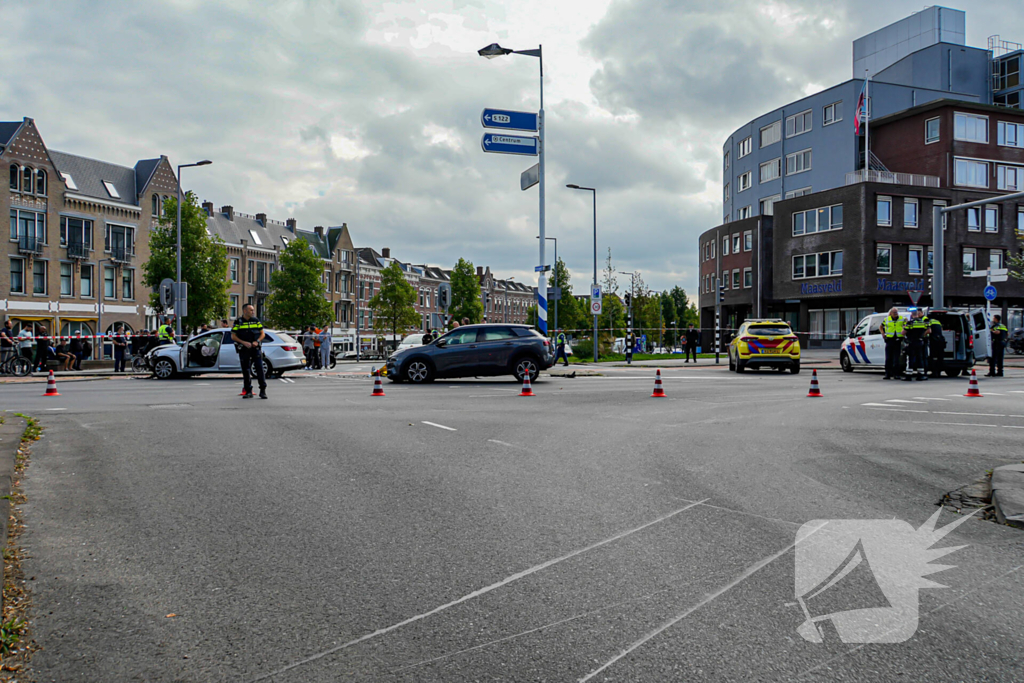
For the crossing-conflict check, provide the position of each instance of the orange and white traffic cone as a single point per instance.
(51, 386)
(527, 389)
(378, 388)
(814, 392)
(972, 388)
(659, 391)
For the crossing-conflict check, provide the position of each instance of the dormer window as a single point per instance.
(14, 176)
(255, 237)
(285, 240)
(111, 190)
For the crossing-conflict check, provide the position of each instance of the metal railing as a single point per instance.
(262, 286)
(29, 244)
(77, 250)
(890, 178)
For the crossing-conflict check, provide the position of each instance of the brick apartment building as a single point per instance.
(79, 234)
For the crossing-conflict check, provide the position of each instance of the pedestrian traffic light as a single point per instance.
(627, 298)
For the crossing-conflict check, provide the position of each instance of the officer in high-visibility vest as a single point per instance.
(560, 346)
(892, 332)
(248, 334)
(915, 331)
(936, 347)
(165, 335)
(998, 335)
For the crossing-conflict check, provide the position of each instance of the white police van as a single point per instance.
(864, 348)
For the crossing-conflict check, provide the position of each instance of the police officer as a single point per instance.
(915, 331)
(247, 333)
(120, 343)
(998, 335)
(165, 335)
(560, 348)
(936, 346)
(892, 332)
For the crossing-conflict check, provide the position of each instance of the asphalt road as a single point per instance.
(458, 532)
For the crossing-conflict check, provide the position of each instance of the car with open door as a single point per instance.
(214, 352)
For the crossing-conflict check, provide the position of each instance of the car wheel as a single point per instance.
(845, 362)
(268, 369)
(741, 366)
(526, 366)
(163, 368)
(794, 368)
(952, 372)
(419, 371)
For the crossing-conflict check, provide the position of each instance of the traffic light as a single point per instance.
(627, 298)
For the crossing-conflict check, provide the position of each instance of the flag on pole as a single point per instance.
(861, 109)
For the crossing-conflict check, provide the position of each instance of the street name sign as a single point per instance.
(595, 306)
(509, 144)
(509, 120)
(990, 293)
(529, 177)
(541, 269)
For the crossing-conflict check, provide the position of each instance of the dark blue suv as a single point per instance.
(475, 351)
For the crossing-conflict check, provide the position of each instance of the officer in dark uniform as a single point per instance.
(936, 346)
(247, 333)
(998, 334)
(915, 331)
(560, 348)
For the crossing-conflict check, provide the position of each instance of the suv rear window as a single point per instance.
(526, 332)
(769, 330)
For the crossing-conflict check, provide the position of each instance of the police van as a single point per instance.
(865, 345)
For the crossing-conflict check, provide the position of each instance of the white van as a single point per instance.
(865, 346)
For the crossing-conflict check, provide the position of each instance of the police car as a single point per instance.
(864, 348)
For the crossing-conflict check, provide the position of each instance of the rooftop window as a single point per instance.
(69, 181)
(255, 237)
(111, 190)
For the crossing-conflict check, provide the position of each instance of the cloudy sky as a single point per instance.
(368, 112)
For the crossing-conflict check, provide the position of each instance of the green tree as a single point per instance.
(669, 315)
(204, 262)
(466, 293)
(392, 305)
(570, 314)
(297, 291)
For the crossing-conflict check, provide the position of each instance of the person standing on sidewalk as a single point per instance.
(560, 346)
(42, 346)
(998, 334)
(692, 339)
(6, 342)
(325, 348)
(120, 347)
(247, 334)
(25, 342)
(892, 333)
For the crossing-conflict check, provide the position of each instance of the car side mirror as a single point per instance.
(441, 343)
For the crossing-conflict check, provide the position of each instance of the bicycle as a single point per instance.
(16, 365)
(140, 364)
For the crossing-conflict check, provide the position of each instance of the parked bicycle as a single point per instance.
(17, 365)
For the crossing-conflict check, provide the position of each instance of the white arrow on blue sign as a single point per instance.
(990, 293)
(509, 144)
(509, 120)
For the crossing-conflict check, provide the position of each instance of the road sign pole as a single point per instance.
(542, 289)
(988, 302)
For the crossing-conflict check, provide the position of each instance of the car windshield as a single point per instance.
(769, 330)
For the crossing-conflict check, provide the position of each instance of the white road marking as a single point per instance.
(1016, 392)
(992, 393)
(899, 400)
(923, 398)
(949, 412)
(900, 410)
(481, 591)
(56, 408)
(500, 443)
(707, 599)
(880, 405)
(434, 424)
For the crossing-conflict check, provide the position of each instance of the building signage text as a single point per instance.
(887, 285)
(834, 287)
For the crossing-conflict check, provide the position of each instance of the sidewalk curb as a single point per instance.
(10, 440)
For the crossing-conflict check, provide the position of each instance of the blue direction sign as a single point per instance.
(990, 293)
(509, 120)
(509, 144)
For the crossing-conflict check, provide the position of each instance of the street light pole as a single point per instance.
(594, 196)
(490, 52)
(177, 277)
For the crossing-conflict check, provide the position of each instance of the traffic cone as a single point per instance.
(659, 391)
(527, 389)
(51, 386)
(814, 392)
(972, 388)
(378, 388)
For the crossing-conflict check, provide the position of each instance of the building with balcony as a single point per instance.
(78, 236)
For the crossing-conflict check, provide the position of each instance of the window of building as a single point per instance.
(744, 181)
(883, 259)
(120, 240)
(970, 127)
(251, 272)
(17, 276)
(767, 205)
(798, 124)
(725, 192)
(111, 190)
(1010, 134)
(39, 276)
(914, 260)
(128, 284)
(743, 148)
(832, 113)
(234, 306)
(746, 212)
(28, 224)
(798, 162)
(1010, 178)
(884, 210)
(736, 241)
(974, 219)
(66, 279)
(823, 264)
(995, 258)
(725, 161)
(910, 213)
(770, 170)
(931, 260)
(725, 246)
(1007, 73)
(771, 133)
(970, 173)
(970, 260)
(155, 209)
(85, 282)
(1020, 220)
(748, 240)
(798, 193)
(40, 181)
(931, 130)
(991, 215)
(77, 231)
(108, 282)
(818, 220)
(255, 237)
(26, 180)
(736, 279)
(15, 173)
(233, 269)
(748, 278)
(1011, 100)
(69, 181)
(713, 245)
